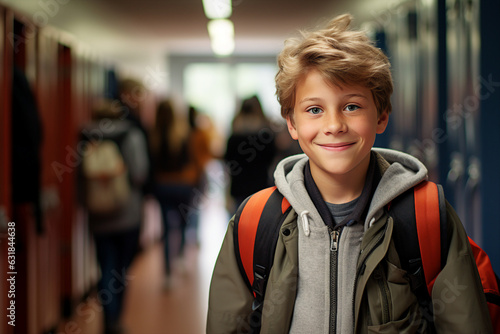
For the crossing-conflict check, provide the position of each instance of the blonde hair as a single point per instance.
(341, 55)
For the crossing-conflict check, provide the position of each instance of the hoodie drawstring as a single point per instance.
(305, 222)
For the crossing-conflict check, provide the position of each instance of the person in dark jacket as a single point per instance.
(132, 96)
(177, 174)
(250, 151)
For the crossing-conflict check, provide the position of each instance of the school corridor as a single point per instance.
(69, 67)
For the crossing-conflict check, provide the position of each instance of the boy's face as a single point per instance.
(335, 126)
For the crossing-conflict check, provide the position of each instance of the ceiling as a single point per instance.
(131, 31)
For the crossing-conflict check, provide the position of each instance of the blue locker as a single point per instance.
(462, 113)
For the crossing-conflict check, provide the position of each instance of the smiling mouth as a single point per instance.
(338, 146)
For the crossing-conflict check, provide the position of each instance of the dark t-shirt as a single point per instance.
(341, 211)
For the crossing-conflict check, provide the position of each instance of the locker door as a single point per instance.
(429, 138)
(24, 209)
(402, 43)
(49, 244)
(84, 260)
(5, 200)
(455, 182)
(489, 94)
(471, 109)
(66, 128)
(78, 265)
(463, 112)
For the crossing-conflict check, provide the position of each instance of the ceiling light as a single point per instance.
(221, 36)
(217, 9)
(222, 48)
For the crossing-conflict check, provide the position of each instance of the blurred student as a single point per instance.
(200, 137)
(113, 172)
(200, 143)
(132, 95)
(250, 151)
(176, 176)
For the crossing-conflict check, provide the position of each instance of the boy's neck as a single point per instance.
(338, 189)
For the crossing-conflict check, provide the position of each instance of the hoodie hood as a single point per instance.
(290, 181)
(400, 172)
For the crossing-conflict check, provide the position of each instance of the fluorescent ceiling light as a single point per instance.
(221, 29)
(221, 36)
(222, 48)
(217, 9)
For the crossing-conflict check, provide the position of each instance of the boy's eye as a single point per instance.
(351, 107)
(314, 110)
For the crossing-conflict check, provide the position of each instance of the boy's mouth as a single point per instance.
(337, 146)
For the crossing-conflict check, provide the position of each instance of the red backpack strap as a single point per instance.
(428, 220)
(256, 231)
(256, 227)
(246, 229)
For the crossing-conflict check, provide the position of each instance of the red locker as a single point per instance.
(48, 263)
(5, 200)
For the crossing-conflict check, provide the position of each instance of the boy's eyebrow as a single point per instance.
(317, 99)
(356, 95)
(312, 99)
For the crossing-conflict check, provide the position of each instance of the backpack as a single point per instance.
(419, 214)
(107, 185)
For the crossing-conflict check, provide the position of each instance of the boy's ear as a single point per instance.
(291, 127)
(382, 121)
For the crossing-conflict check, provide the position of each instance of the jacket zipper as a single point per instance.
(334, 242)
(384, 290)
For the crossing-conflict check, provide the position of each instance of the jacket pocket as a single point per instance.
(392, 305)
(406, 325)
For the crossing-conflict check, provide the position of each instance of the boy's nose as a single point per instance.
(334, 123)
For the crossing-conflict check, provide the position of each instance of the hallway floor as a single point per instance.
(149, 307)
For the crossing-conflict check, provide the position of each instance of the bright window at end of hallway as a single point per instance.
(258, 79)
(217, 89)
(208, 88)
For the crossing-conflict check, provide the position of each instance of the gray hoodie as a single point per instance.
(312, 312)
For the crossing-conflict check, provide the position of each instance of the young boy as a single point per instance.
(336, 269)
